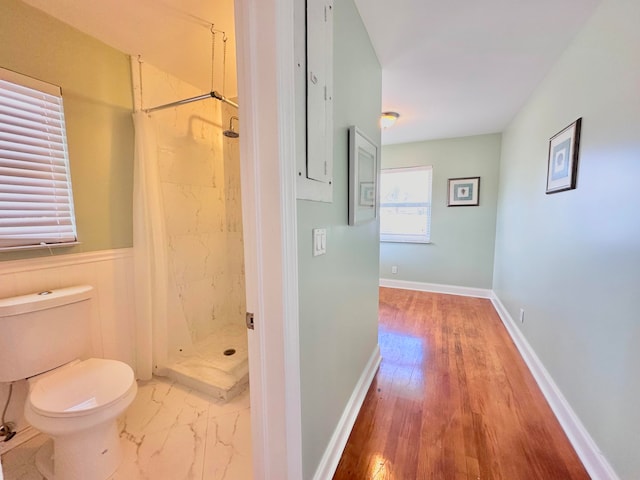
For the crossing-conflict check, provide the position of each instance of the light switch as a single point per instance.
(319, 241)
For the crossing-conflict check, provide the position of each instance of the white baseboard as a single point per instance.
(592, 458)
(436, 288)
(332, 454)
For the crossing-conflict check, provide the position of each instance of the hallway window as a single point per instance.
(405, 205)
(36, 203)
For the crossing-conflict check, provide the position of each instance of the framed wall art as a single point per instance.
(562, 166)
(464, 192)
(363, 177)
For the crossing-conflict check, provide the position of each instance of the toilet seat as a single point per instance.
(81, 388)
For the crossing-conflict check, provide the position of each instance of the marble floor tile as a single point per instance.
(169, 433)
(226, 455)
(20, 463)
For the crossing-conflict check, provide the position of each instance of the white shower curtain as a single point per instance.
(150, 252)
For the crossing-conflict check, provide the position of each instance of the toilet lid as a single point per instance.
(81, 388)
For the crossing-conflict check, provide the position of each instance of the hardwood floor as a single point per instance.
(453, 400)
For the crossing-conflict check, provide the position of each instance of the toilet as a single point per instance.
(76, 400)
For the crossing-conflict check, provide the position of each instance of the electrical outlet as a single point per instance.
(522, 315)
(394, 269)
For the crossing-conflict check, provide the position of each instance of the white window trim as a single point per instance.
(409, 238)
(397, 238)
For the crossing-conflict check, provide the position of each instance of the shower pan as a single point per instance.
(217, 365)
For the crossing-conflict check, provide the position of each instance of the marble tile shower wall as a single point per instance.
(200, 183)
(235, 241)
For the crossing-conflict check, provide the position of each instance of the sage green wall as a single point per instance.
(96, 87)
(338, 292)
(572, 259)
(461, 252)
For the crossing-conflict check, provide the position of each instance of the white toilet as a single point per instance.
(45, 338)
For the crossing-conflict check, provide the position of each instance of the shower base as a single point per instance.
(207, 369)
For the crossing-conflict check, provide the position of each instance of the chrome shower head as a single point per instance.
(230, 132)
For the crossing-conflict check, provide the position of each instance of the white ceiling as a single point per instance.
(174, 35)
(454, 68)
(449, 67)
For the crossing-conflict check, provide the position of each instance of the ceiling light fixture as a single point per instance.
(388, 119)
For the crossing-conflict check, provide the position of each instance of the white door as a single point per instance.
(264, 30)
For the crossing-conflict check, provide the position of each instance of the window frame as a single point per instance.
(36, 196)
(407, 237)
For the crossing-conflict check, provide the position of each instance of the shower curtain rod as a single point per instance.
(212, 94)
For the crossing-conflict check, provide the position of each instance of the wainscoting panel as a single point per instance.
(110, 272)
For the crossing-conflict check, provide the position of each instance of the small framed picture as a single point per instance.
(367, 194)
(562, 166)
(464, 192)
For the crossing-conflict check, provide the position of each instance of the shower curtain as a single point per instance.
(149, 251)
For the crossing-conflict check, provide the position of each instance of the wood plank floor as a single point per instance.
(453, 399)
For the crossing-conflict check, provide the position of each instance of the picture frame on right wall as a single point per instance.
(562, 164)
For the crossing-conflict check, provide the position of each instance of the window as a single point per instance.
(405, 205)
(36, 203)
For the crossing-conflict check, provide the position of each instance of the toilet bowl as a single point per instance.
(78, 405)
(73, 398)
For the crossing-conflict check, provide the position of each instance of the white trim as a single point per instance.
(44, 246)
(58, 261)
(436, 288)
(592, 458)
(329, 462)
(267, 155)
(247, 89)
(285, 37)
(30, 82)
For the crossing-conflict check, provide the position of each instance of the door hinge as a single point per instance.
(249, 320)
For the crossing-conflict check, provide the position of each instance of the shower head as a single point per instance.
(230, 132)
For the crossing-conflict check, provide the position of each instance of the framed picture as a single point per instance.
(562, 168)
(363, 177)
(367, 194)
(464, 192)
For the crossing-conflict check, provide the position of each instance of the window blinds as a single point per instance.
(36, 202)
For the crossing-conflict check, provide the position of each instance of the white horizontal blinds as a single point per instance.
(36, 202)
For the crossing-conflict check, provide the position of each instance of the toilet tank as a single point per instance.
(41, 331)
